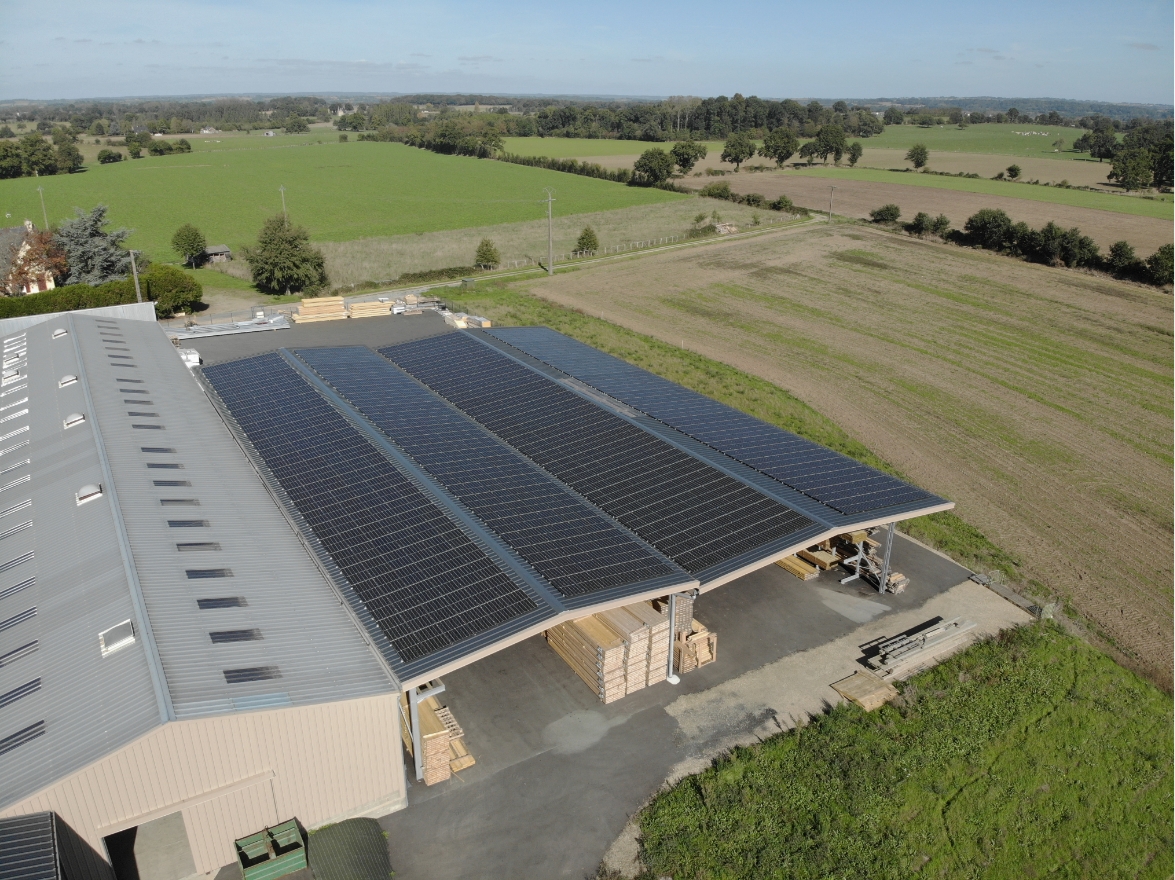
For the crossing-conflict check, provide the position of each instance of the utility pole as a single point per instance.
(831, 193)
(44, 213)
(282, 189)
(135, 272)
(550, 231)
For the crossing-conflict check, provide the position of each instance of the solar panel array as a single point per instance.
(843, 484)
(571, 544)
(424, 580)
(693, 513)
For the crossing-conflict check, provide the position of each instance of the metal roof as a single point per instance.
(28, 848)
(154, 443)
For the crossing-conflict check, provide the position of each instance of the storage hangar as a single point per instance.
(224, 591)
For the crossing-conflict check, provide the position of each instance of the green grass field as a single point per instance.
(1160, 207)
(998, 139)
(1031, 755)
(568, 148)
(340, 192)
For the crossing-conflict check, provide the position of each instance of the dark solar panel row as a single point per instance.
(566, 540)
(826, 476)
(691, 512)
(424, 581)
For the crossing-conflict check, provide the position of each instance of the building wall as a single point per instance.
(231, 775)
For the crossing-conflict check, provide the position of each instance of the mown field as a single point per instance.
(338, 191)
(569, 148)
(1038, 399)
(1030, 755)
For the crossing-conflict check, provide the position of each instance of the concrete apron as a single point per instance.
(799, 686)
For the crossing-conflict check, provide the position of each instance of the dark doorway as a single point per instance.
(121, 849)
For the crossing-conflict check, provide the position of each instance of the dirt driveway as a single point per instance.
(1038, 399)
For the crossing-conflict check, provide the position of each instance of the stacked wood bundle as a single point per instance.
(820, 556)
(594, 652)
(456, 319)
(635, 633)
(803, 570)
(475, 321)
(658, 625)
(370, 309)
(325, 308)
(434, 739)
(696, 648)
(411, 299)
(685, 612)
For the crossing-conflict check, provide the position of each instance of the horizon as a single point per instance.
(618, 51)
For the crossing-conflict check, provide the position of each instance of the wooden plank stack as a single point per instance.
(693, 649)
(475, 321)
(659, 640)
(594, 652)
(635, 633)
(434, 739)
(866, 690)
(325, 308)
(685, 612)
(820, 557)
(803, 570)
(371, 309)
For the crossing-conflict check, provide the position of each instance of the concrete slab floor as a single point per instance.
(558, 773)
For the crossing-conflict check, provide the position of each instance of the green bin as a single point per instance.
(273, 852)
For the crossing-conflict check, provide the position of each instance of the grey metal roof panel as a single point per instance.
(306, 632)
(89, 704)
(28, 848)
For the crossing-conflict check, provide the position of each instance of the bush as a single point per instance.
(1055, 246)
(754, 200)
(447, 274)
(172, 290)
(886, 214)
(105, 157)
(1122, 260)
(342, 138)
(1159, 265)
(990, 228)
(1013, 172)
(68, 298)
(487, 256)
(588, 242)
(296, 125)
(717, 191)
(924, 224)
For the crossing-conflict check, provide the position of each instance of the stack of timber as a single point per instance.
(326, 308)
(456, 319)
(370, 309)
(635, 634)
(411, 299)
(434, 739)
(685, 612)
(594, 652)
(696, 648)
(476, 321)
(659, 639)
(866, 690)
(805, 571)
(820, 556)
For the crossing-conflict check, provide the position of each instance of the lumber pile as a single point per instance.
(696, 648)
(824, 559)
(866, 690)
(685, 612)
(370, 309)
(615, 652)
(325, 308)
(442, 741)
(476, 321)
(805, 571)
(456, 319)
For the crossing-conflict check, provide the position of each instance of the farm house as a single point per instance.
(229, 594)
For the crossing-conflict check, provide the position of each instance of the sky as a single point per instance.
(1120, 52)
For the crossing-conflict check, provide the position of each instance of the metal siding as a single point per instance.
(28, 849)
(306, 632)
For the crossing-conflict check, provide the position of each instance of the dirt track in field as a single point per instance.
(1038, 399)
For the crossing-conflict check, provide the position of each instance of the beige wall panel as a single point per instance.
(233, 774)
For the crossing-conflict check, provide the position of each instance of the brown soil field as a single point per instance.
(1038, 399)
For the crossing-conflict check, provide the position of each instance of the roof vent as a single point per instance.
(67, 380)
(59, 332)
(74, 419)
(116, 637)
(89, 492)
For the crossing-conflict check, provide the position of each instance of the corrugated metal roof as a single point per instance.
(28, 848)
(83, 569)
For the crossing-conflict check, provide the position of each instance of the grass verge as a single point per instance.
(1027, 755)
(1120, 204)
(510, 305)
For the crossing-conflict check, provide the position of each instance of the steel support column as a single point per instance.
(883, 584)
(415, 696)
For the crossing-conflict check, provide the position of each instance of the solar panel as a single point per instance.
(577, 549)
(843, 484)
(423, 580)
(694, 514)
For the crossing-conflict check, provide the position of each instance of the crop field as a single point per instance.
(1030, 755)
(1038, 399)
(571, 148)
(1027, 140)
(338, 191)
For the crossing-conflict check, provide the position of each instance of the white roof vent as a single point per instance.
(74, 419)
(116, 637)
(59, 332)
(67, 380)
(89, 492)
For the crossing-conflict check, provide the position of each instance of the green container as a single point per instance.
(273, 852)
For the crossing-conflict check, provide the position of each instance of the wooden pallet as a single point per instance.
(801, 569)
(866, 690)
(696, 648)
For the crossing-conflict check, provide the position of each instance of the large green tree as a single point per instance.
(918, 155)
(94, 254)
(687, 154)
(780, 145)
(1133, 168)
(856, 151)
(653, 167)
(830, 141)
(283, 260)
(189, 243)
(893, 116)
(68, 158)
(738, 148)
(487, 256)
(296, 125)
(37, 157)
